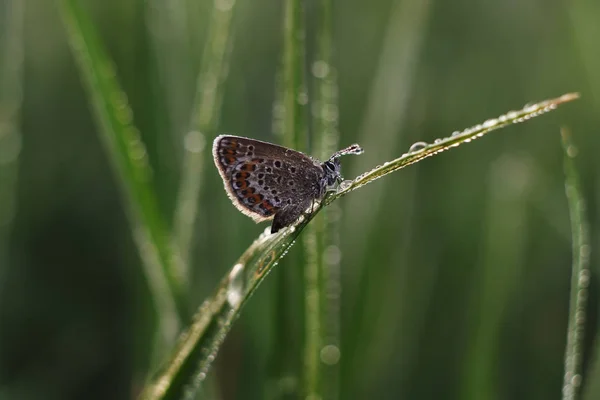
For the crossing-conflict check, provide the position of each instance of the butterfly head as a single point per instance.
(332, 166)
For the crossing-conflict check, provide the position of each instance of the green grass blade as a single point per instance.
(580, 275)
(322, 271)
(389, 101)
(128, 156)
(421, 150)
(11, 95)
(295, 134)
(387, 113)
(295, 96)
(203, 121)
(290, 121)
(503, 259)
(197, 347)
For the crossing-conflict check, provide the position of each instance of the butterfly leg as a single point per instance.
(287, 215)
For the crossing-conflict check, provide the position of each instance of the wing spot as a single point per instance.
(228, 160)
(248, 167)
(293, 170)
(277, 164)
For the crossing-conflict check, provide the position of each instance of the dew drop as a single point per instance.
(138, 150)
(417, 147)
(320, 69)
(302, 98)
(436, 141)
(235, 285)
(455, 133)
(512, 114)
(330, 354)
(489, 123)
(194, 142)
(332, 255)
(345, 184)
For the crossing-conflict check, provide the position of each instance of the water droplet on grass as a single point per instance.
(417, 146)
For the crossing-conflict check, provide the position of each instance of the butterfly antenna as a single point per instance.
(353, 149)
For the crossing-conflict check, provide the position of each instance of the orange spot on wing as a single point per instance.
(248, 167)
(267, 206)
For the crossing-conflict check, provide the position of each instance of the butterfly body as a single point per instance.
(266, 181)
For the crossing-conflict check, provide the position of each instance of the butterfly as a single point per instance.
(266, 181)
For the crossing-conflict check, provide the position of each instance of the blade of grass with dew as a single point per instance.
(322, 353)
(170, 81)
(456, 139)
(295, 133)
(285, 359)
(12, 15)
(128, 156)
(170, 36)
(203, 121)
(388, 102)
(503, 258)
(580, 274)
(197, 347)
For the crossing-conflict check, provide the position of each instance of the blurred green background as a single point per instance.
(455, 272)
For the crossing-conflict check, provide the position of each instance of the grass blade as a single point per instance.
(12, 15)
(290, 122)
(203, 121)
(580, 275)
(503, 260)
(421, 150)
(322, 271)
(386, 113)
(198, 345)
(128, 156)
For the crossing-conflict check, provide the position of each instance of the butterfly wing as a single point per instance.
(262, 178)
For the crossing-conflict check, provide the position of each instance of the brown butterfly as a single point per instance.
(265, 181)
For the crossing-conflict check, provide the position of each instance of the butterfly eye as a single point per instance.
(330, 167)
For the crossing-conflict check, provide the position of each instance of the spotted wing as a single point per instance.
(262, 178)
